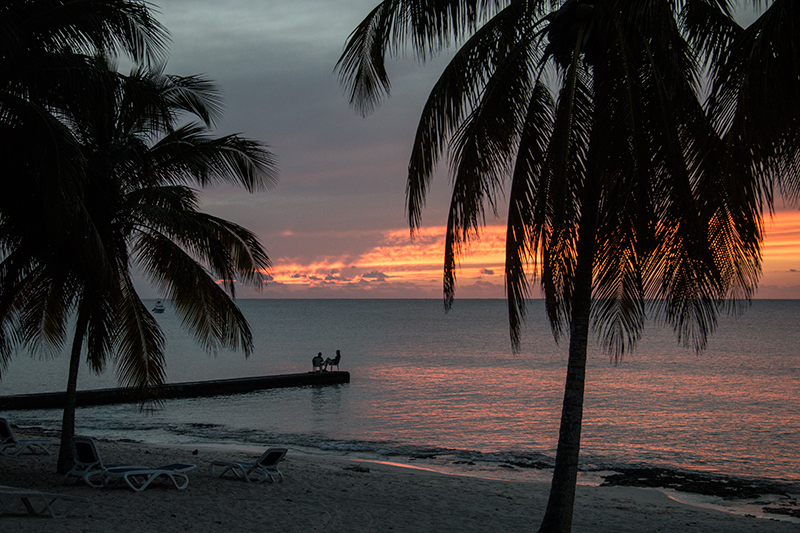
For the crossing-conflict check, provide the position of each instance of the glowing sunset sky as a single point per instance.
(335, 224)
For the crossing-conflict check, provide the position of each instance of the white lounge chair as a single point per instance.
(87, 464)
(265, 467)
(36, 502)
(9, 445)
(139, 478)
(91, 470)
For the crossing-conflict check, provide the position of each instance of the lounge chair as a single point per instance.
(36, 502)
(265, 467)
(87, 464)
(139, 478)
(9, 445)
(91, 470)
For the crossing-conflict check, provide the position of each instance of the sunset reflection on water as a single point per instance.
(475, 408)
(425, 383)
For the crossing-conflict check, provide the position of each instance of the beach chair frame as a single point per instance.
(266, 467)
(10, 445)
(138, 478)
(38, 503)
(89, 467)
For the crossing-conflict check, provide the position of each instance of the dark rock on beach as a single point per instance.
(706, 484)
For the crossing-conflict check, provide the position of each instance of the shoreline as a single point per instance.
(326, 492)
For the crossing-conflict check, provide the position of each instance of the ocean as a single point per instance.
(444, 390)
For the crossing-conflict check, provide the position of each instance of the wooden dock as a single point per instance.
(194, 389)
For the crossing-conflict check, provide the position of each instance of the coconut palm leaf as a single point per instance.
(762, 65)
(190, 155)
(710, 27)
(206, 310)
(227, 248)
(430, 27)
(456, 93)
(85, 26)
(483, 151)
(140, 344)
(526, 218)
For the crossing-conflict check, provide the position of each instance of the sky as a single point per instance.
(335, 225)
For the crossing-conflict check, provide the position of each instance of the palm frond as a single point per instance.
(457, 92)
(567, 160)
(102, 324)
(429, 26)
(140, 342)
(710, 28)
(362, 67)
(190, 155)
(19, 274)
(84, 27)
(206, 310)
(50, 298)
(195, 95)
(526, 217)
(483, 151)
(763, 66)
(227, 249)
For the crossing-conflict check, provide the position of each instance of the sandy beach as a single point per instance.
(340, 494)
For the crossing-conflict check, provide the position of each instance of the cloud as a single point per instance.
(377, 276)
(391, 264)
(335, 275)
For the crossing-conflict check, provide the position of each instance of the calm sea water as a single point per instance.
(447, 386)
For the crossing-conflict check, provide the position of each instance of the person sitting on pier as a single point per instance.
(318, 363)
(330, 363)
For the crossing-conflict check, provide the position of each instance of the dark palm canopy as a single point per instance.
(627, 195)
(136, 209)
(45, 48)
(98, 182)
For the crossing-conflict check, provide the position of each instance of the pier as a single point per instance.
(193, 389)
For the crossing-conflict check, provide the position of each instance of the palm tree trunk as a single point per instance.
(560, 504)
(65, 460)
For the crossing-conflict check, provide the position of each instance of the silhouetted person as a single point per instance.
(333, 362)
(317, 363)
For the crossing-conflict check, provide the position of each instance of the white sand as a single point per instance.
(322, 493)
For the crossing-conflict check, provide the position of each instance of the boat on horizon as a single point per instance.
(159, 307)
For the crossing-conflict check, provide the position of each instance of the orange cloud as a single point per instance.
(782, 240)
(398, 259)
(414, 266)
(781, 256)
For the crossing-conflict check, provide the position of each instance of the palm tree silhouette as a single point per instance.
(589, 112)
(99, 181)
(137, 209)
(141, 211)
